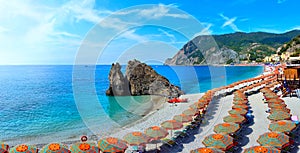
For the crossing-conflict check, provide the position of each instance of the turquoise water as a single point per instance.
(50, 101)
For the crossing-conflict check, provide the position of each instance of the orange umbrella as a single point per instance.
(274, 139)
(261, 149)
(244, 106)
(136, 138)
(219, 141)
(282, 126)
(234, 119)
(239, 111)
(183, 118)
(156, 132)
(171, 125)
(207, 150)
(111, 144)
(190, 112)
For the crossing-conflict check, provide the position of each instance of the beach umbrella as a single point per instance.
(240, 111)
(236, 98)
(171, 125)
(207, 150)
(136, 138)
(261, 149)
(279, 115)
(282, 126)
(112, 144)
(4, 146)
(271, 96)
(238, 102)
(219, 141)
(234, 119)
(194, 106)
(183, 118)
(226, 128)
(156, 132)
(273, 105)
(275, 100)
(244, 106)
(201, 105)
(54, 148)
(190, 111)
(84, 147)
(23, 148)
(283, 109)
(275, 139)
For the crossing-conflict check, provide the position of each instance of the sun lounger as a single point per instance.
(168, 142)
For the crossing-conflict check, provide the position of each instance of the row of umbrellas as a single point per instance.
(280, 125)
(221, 140)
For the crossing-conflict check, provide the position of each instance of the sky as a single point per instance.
(106, 31)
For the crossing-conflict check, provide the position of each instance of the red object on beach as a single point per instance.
(177, 100)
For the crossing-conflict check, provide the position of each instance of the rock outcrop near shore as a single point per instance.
(139, 79)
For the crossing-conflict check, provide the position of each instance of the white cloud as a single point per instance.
(3, 29)
(281, 1)
(171, 36)
(229, 22)
(130, 34)
(206, 30)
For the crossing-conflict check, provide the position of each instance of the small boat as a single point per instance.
(177, 100)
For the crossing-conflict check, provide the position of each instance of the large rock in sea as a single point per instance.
(141, 79)
(118, 83)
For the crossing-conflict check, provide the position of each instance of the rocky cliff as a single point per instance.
(292, 46)
(230, 48)
(139, 79)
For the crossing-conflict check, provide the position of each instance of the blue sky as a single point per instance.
(52, 32)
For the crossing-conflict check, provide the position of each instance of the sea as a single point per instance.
(56, 103)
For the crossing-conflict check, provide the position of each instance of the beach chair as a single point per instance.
(169, 142)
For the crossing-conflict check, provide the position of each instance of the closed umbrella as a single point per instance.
(274, 139)
(136, 138)
(84, 147)
(24, 148)
(282, 126)
(112, 145)
(54, 148)
(207, 150)
(219, 141)
(226, 128)
(261, 149)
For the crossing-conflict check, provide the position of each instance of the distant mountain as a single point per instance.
(292, 46)
(230, 48)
